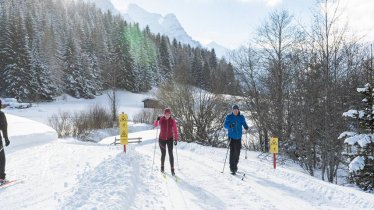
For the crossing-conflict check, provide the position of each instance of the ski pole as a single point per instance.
(154, 151)
(176, 151)
(228, 146)
(246, 138)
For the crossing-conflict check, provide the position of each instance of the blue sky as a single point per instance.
(232, 23)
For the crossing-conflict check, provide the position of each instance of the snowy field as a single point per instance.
(130, 103)
(68, 174)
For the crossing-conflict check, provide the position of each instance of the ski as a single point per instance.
(164, 175)
(176, 178)
(172, 176)
(10, 183)
(239, 174)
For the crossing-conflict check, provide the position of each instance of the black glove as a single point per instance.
(7, 142)
(232, 125)
(158, 118)
(175, 143)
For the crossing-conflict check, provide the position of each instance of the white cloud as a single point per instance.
(360, 16)
(270, 3)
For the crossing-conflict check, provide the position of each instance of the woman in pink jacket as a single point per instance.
(168, 133)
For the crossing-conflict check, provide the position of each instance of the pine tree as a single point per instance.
(205, 83)
(122, 60)
(197, 68)
(361, 156)
(91, 68)
(4, 31)
(42, 86)
(17, 70)
(71, 70)
(164, 59)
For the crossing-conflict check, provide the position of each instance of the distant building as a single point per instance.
(152, 103)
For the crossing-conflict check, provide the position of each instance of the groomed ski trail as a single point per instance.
(75, 175)
(204, 185)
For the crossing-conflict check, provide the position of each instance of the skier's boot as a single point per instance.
(232, 169)
(172, 172)
(233, 172)
(162, 169)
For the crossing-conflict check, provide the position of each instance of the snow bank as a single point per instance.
(24, 133)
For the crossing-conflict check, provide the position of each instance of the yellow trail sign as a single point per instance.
(273, 145)
(123, 129)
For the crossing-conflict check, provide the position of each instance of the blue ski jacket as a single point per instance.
(234, 124)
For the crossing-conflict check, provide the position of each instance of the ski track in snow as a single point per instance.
(63, 175)
(49, 170)
(214, 184)
(281, 188)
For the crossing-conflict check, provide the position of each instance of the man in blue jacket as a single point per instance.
(234, 123)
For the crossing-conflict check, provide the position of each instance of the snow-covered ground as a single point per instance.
(68, 174)
(130, 103)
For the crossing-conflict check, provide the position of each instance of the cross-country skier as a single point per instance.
(4, 129)
(234, 123)
(168, 133)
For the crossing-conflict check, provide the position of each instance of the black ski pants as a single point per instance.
(2, 162)
(169, 144)
(235, 147)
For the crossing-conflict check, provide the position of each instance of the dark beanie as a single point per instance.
(235, 107)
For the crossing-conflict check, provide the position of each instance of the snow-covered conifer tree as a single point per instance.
(360, 143)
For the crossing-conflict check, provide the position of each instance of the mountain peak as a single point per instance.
(220, 50)
(167, 25)
(135, 8)
(171, 16)
(104, 5)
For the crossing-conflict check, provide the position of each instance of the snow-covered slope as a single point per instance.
(168, 25)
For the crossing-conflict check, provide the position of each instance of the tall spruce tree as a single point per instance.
(4, 28)
(121, 58)
(361, 157)
(71, 69)
(17, 69)
(42, 86)
(164, 59)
